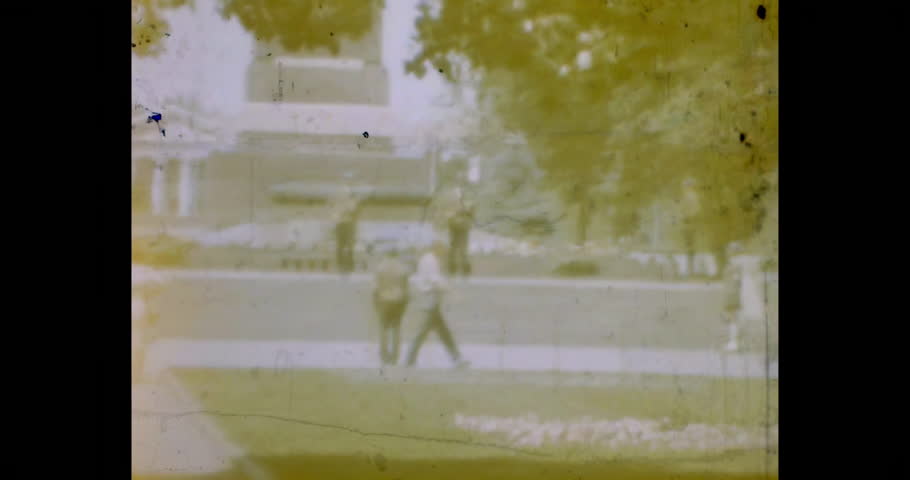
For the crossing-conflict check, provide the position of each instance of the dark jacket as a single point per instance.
(391, 279)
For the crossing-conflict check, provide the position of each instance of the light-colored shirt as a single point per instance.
(430, 282)
(733, 284)
(429, 274)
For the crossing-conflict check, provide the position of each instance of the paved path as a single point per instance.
(244, 305)
(552, 359)
(359, 278)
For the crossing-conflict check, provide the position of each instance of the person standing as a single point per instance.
(390, 299)
(691, 207)
(460, 220)
(346, 214)
(733, 281)
(432, 287)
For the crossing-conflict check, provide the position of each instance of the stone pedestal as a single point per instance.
(187, 189)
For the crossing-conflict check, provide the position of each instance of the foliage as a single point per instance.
(310, 24)
(654, 92)
(149, 24)
(296, 24)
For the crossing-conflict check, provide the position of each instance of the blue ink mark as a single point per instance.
(156, 117)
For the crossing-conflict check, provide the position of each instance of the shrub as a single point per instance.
(161, 250)
(578, 268)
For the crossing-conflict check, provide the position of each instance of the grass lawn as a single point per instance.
(389, 427)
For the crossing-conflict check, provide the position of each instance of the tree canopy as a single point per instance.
(300, 24)
(617, 99)
(652, 92)
(149, 24)
(296, 24)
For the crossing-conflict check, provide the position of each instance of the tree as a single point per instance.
(149, 24)
(600, 87)
(296, 24)
(310, 24)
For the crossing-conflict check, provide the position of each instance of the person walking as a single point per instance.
(390, 299)
(432, 287)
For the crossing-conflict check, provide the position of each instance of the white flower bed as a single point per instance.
(308, 234)
(529, 431)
